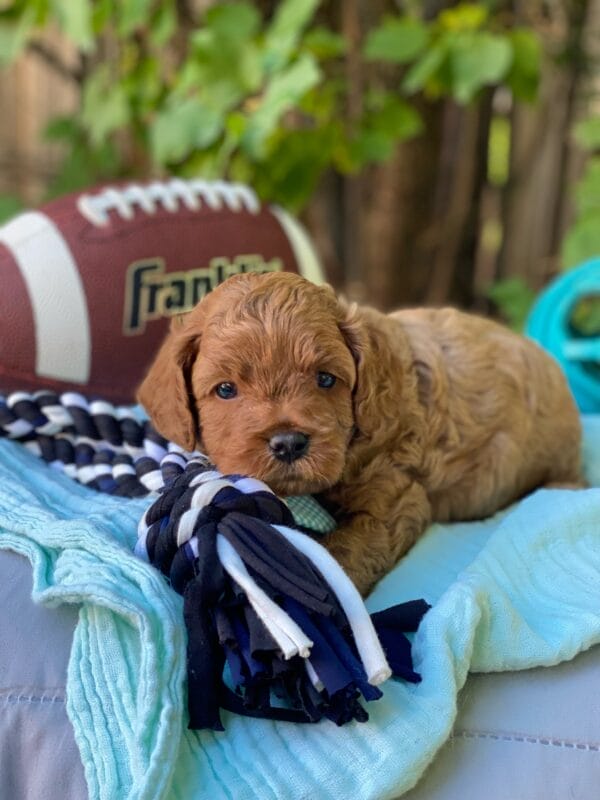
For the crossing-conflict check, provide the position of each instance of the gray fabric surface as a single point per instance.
(38, 756)
(523, 736)
(518, 736)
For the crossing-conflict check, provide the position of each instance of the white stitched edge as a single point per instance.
(525, 738)
(31, 695)
(169, 195)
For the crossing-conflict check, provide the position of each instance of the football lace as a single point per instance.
(166, 195)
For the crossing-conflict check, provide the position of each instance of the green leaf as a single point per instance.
(105, 106)
(582, 241)
(101, 14)
(132, 14)
(585, 315)
(63, 128)
(324, 43)
(233, 21)
(235, 124)
(477, 59)
(283, 34)
(391, 115)
(367, 147)
(514, 298)
(296, 161)
(75, 19)
(180, 129)
(164, 24)
(143, 86)
(425, 68)
(283, 93)
(381, 131)
(587, 133)
(499, 151)
(224, 69)
(587, 191)
(9, 206)
(85, 165)
(464, 17)
(14, 35)
(524, 75)
(396, 40)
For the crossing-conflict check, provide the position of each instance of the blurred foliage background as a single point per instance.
(438, 151)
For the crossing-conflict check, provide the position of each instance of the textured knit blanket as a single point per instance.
(521, 589)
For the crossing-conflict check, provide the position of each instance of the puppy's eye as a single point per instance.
(226, 390)
(325, 380)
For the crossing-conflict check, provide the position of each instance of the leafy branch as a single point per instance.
(234, 94)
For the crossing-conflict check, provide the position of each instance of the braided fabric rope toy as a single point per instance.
(104, 447)
(255, 597)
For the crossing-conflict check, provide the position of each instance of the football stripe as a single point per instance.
(306, 257)
(62, 327)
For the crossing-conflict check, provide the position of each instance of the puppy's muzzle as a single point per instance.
(289, 446)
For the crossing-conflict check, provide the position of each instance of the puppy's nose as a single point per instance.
(289, 446)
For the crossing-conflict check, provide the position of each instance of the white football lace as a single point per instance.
(166, 194)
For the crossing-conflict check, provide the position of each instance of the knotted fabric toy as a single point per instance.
(257, 600)
(275, 627)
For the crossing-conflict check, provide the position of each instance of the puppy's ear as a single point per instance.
(166, 392)
(374, 398)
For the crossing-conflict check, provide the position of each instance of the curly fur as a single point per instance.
(435, 415)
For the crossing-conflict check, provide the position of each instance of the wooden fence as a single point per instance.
(427, 227)
(31, 95)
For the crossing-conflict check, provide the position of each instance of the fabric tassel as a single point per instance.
(297, 646)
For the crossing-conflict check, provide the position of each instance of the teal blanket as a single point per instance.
(518, 590)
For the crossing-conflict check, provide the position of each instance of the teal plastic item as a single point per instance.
(549, 323)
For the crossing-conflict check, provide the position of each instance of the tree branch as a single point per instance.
(53, 60)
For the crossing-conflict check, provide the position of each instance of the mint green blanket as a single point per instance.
(519, 590)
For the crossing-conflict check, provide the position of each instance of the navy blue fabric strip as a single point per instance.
(403, 617)
(323, 657)
(267, 545)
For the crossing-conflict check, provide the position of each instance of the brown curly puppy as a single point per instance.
(396, 420)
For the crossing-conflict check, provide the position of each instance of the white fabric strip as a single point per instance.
(140, 549)
(205, 493)
(368, 644)
(60, 313)
(154, 450)
(17, 397)
(249, 485)
(205, 477)
(314, 678)
(74, 399)
(102, 407)
(185, 526)
(19, 427)
(58, 416)
(153, 481)
(288, 635)
(304, 252)
(119, 470)
(34, 448)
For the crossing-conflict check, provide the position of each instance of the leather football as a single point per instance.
(89, 281)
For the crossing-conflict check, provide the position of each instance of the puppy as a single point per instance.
(395, 420)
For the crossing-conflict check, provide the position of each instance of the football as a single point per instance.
(89, 281)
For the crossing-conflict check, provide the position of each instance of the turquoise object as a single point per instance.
(549, 323)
